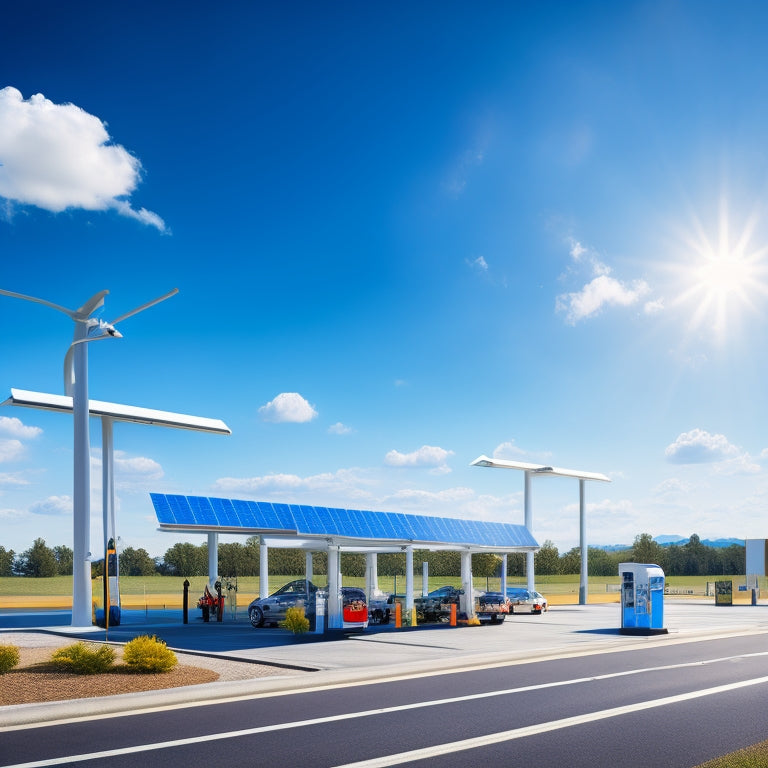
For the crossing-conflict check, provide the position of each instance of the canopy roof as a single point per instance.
(118, 412)
(539, 469)
(317, 527)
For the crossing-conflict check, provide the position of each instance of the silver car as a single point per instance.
(271, 610)
(522, 600)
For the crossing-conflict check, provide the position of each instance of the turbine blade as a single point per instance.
(146, 306)
(91, 305)
(71, 313)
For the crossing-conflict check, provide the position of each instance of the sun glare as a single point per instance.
(722, 278)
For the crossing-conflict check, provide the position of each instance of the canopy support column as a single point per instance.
(584, 581)
(371, 574)
(467, 600)
(213, 558)
(335, 618)
(263, 570)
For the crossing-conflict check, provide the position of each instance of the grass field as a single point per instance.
(167, 591)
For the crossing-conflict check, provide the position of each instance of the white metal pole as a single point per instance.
(504, 565)
(213, 558)
(467, 600)
(584, 581)
(529, 561)
(335, 618)
(82, 594)
(409, 581)
(371, 574)
(263, 570)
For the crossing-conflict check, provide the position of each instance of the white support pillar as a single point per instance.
(213, 558)
(409, 581)
(467, 600)
(335, 616)
(263, 570)
(529, 561)
(424, 579)
(584, 581)
(504, 565)
(371, 574)
(308, 575)
(82, 593)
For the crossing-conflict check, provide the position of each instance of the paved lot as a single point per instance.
(380, 652)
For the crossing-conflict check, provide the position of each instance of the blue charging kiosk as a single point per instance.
(642, 599)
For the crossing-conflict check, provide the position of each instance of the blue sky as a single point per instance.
(403, 235)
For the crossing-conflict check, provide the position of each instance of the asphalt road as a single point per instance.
(666, 704)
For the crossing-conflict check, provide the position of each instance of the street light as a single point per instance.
(76, 384)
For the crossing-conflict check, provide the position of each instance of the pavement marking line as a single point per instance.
(532, 730)
(519, 733)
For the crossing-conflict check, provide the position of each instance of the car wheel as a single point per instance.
(256, 615)
(511, 608)
(386, 618)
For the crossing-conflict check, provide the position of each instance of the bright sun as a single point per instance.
(721, 278)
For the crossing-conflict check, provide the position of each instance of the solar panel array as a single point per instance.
(298, 519)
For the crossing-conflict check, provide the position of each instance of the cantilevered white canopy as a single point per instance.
(118, 412)
(535, 470)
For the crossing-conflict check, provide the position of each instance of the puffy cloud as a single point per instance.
(653, 307)
(53, 506)
(57, 156)
(288, 407)
(10, 450)
(340, 429)
(137, 467)
(9, 479)
(600, 292)
(16, 428)
(11, 514)
(346, 482)
(700, 447)
(426, 456)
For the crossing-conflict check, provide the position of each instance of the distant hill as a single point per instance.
(666, 540)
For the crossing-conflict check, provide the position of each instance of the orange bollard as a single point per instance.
(453, 614)
(398, 615)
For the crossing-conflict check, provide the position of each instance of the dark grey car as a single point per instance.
(271, 610)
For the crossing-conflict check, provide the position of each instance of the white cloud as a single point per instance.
(347, 482)
(653, 307)
(16, 428)
(57, 156)
(53, 506)
(10, 450)
(420, 498)
(11, 514)
(9, 479)
(426, 456)
(479, 264)
(340, 429)
(600, 292)
(288, 407)
(700, 447)
(137, 467)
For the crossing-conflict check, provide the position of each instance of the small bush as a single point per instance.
(149, 654)
(296, 621)
(84, 658)
(9, 658)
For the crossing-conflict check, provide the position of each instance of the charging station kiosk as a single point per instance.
(642, 599)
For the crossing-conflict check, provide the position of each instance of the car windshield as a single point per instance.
(518, 593)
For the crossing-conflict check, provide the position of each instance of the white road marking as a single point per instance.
(405, 757)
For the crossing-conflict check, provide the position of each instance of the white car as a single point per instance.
(522, 600)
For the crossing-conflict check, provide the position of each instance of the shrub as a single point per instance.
(296, 621)
(149, 654)
(9, 658)
(84, 658)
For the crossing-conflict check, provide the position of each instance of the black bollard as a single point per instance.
(185, 603)
(220, 606)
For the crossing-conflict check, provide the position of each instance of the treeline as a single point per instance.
(690, 559)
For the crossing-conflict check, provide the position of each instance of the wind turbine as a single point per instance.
(87, 328)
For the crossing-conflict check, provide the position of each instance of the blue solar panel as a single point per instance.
(225, 513)
(176, 510)
(162, 509)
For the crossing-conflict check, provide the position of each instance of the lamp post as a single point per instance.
(87, 329)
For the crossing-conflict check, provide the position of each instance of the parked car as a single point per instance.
(436, 606)
(381, 608)
(354, 609)
(492, 607)
(522, 600)
(270, 610)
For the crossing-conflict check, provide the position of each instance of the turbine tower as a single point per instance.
(87, 328)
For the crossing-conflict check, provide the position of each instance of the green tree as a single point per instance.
(136, 562)
(547, 559)
(570, 562)
(6, 561)
(184, 559)
(646, 550)
(38, 561)
(64, 559)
